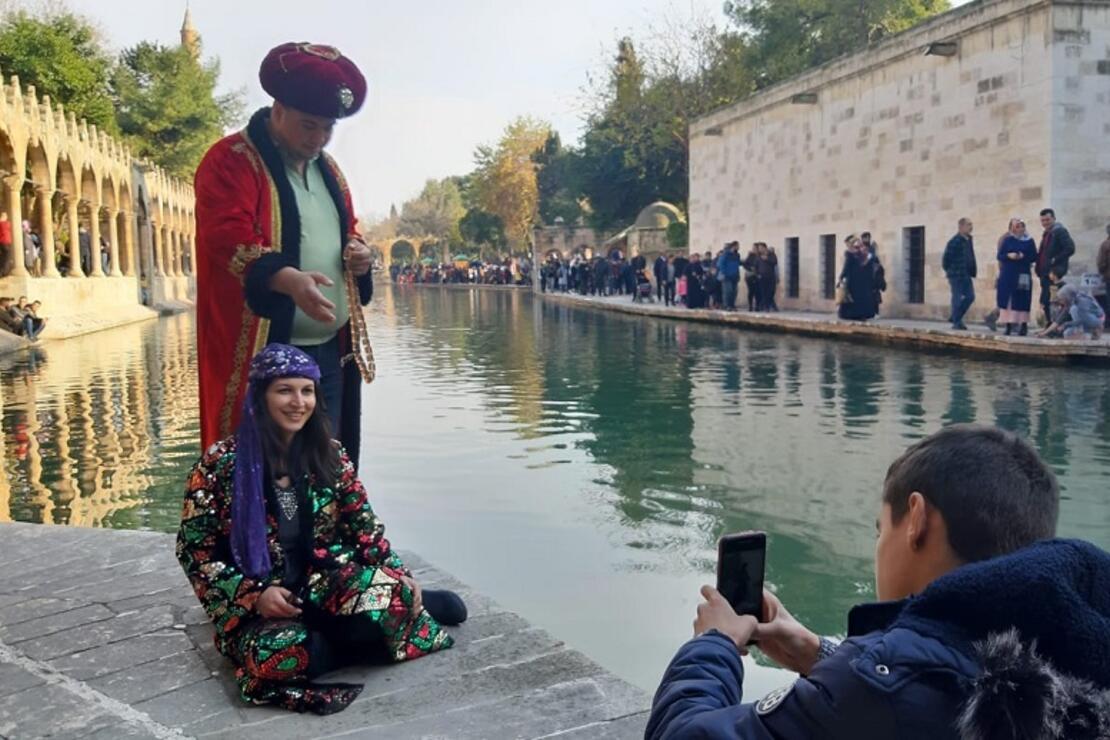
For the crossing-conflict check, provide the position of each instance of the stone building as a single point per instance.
(996, 109)
(64, 177)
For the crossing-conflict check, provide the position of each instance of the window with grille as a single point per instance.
(828, 266)
(793, 263)
(913, 238)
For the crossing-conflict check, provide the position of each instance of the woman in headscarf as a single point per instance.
(863, 279)
(1016, 256)
(287, 557)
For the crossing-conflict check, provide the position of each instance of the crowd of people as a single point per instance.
(21, 318)
(33, 255)
(508, 272)
(1073, 308)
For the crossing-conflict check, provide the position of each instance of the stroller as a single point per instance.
(643, 289)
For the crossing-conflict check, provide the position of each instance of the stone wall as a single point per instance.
(897, 140)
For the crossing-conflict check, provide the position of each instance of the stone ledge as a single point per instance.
(930, 335)
(101, 636)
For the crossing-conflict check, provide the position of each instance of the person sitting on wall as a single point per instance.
(8, 321)
(286, 555)
(985, 628)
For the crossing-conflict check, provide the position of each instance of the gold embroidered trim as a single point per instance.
(246, 148)
(243, 256)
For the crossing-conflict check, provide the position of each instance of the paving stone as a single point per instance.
(50, 711)
(625, 728)
(148, 680)
(56, 622)
(123, 731)
(107, 631)
(35, 609)
(101, 661)
(14, 679)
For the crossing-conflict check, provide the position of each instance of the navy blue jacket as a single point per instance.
(908, 667)
(728, 265)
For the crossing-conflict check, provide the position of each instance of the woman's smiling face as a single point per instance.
(290, 403)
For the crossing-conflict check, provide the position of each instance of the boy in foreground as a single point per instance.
(985, 627)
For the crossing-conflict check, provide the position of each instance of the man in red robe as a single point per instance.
(279, 255)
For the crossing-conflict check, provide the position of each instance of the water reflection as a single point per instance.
(98, 429)
(576, 465)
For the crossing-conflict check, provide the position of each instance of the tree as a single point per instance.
(787, 37)
(62, 55)
(558, 183)
(504, 182)
(435, 212)
(480, 228)
(167, 106)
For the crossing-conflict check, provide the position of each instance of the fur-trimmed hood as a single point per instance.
(1020, 696)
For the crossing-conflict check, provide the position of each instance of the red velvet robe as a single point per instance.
(248, 228)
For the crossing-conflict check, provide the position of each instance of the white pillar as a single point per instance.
(46, 231)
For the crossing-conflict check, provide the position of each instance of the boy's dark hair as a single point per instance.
(990, 486)
(1048, 212)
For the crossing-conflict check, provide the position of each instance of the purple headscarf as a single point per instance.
(248, 502)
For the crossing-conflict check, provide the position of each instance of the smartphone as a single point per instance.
(741, 559)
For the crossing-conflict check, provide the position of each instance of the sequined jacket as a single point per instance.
(338, 524)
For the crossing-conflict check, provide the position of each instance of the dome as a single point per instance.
(659, 215)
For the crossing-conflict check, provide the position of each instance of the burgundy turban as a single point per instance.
(313, 79)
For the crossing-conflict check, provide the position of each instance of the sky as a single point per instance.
(444, 75)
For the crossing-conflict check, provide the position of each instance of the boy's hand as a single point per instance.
(785, 640)
(716, 613)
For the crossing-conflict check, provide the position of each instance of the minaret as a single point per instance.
(190, 37)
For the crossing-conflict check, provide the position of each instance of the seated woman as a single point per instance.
(287, 557)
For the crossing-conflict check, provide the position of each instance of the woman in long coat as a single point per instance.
(1016, 256)
(287, 557)
(864, 278)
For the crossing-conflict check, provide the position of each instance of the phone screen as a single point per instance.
(741, 560)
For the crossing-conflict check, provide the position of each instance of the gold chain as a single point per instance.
(361, 351)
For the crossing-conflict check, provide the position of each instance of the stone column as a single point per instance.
(94, 239)
(113, 243)
(156, 250)
(46, 231)
(74, 236)
(178, 253)
(15, 217)
(129, 243)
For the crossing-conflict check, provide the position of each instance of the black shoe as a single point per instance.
(446, 607)
(959, 327)
(1024, 330)
(1009, 329)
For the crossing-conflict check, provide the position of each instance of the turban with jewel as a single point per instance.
(248, 502)
(313, 78)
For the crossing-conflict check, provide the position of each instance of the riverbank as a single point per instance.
(101, 637)
(930, 335)
(463, 286)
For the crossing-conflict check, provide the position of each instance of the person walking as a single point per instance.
(960, 269)
(751, 280)
(1016, 257)
(7, 262)
(1104, 271)
(31, 250)
(279, 254)
(862, 278)
(1056, 249)
(659, 270)
(766, 273)
(669, 278)
(728, 272)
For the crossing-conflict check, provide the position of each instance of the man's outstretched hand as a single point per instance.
(303, 288)
(785, 640)
(716, 613)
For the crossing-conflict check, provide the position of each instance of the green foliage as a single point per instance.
(504, 182)
(481, 228)
(678, 235)
(558, 182)
(787, 37)
(167, 107)
(62, 56)
(435, 212)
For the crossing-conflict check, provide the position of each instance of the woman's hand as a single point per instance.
(417, 594)
(1014, 255)
(785, 640)
(277, 603)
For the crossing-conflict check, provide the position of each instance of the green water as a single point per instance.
(573, 464)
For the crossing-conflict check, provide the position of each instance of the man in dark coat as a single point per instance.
(1056, 250)
(659, 269)
(985, 626)
(960, 269)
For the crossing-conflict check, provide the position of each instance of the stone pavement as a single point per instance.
(933, 335)
(101, 637)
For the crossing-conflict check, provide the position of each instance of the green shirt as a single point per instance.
(321, 251)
